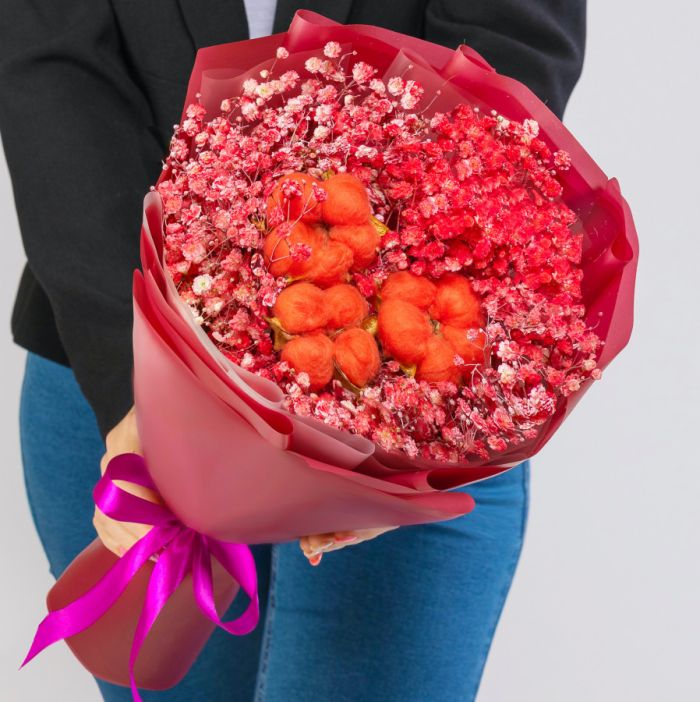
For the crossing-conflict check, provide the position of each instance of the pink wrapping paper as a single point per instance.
(229, 461)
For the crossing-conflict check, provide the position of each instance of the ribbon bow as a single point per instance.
(184, 550)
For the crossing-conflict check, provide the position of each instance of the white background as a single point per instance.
(606, 601)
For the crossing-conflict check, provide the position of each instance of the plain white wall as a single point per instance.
(606, 600)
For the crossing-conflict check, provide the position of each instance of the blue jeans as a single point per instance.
(407, 617)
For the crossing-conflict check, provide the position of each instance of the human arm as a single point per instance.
(82, 151)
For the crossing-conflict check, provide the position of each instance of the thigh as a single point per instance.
(407, 617)
(61, 451)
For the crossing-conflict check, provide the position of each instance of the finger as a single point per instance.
(320, 542)
(363, 534)
(305, 545)
(105, 535)
(117, 536)
(334, 541)
(315, 543)
(334, 544)
(353, 538)
(343, 538)
(342, 541)
(338, 547)
(314, 558)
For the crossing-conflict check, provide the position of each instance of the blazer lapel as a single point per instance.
(337, 10)
(215, 21)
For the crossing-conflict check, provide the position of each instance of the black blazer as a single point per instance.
(89, 91)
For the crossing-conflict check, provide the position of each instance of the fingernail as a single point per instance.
(321, 548)
(121, 551)
(345, 539)
(315, 560)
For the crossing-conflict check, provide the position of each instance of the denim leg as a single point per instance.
(406, 617)
(61, 451)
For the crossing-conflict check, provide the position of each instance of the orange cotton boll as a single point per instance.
(276, 249)
(361, 239)
(301, 308)
(312, 354)
(438, 365)
(347, 201)
(406, 286)
(304, 206)
(276, 253)
(403, 330)
(314, 238)
(346, 306)
(357, 355)
(332, 263)
(471, 351)
(456, 303)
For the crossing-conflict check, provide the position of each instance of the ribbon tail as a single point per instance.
(238, 560)
(169, 571)
(89, 607)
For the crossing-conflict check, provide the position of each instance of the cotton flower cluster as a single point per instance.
(460, 200)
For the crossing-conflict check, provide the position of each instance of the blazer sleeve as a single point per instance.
(82, 151)
(541, 43)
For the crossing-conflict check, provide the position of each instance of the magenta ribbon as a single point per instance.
(180, 550)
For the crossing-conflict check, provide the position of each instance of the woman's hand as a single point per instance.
(119, 537)
(316, 545)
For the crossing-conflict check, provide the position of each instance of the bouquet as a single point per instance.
(370, 275)
(410, 276)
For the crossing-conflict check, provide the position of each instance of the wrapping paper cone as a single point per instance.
(171, 647)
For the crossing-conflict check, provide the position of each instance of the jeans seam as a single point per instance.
(267, 633)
